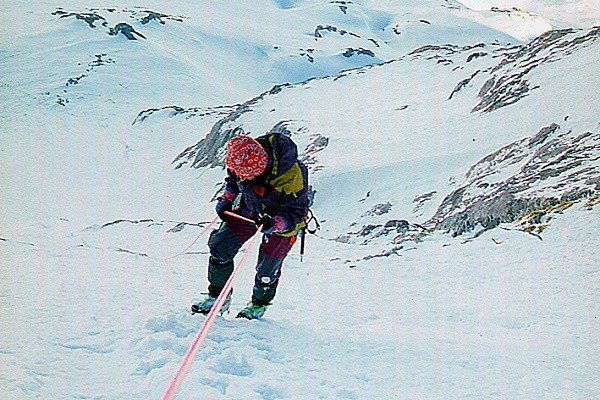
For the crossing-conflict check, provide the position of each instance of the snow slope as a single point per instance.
(574, 13)
(447, 320)
(93, 205)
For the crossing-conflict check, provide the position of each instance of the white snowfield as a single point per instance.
(92, 206)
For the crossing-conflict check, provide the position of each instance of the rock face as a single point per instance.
(127, 30)
(97, 18)
(351, 52)
(509, 79)
(174, 111)
(553, 169)
(210, 151)
(331, 28)
(89, 18)
(525, 183)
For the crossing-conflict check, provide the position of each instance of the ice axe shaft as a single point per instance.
(234, 215)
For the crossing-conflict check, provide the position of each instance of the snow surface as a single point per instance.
(91, 308)
(575, 13)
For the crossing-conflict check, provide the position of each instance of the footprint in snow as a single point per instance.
(179, 325)
(98, 344)
(346, 394)
(164, 336)
(146, 367)
(218, 384)
(159, 341)
(232, 364)
(269, 392)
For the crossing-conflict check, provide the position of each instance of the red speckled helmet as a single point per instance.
(246, 157)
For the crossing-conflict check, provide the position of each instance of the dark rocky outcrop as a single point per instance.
(401, 231)
(352, 52)
(462, 84)
(93, 17)
(159, 17)
(331, 28)
(343, 5)
(127, 30)
(554, 168)
(509, 80)
(210, 151)
(175, 111)
(317, 143)
(89, 18)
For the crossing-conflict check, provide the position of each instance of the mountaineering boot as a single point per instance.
(253, 310)
(204, 305)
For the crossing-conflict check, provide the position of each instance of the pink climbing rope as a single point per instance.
(195, 240)
(203, 332)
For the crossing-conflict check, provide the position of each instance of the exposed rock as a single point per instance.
(552, 168)
(487, 86)
(127, 30)
(210, 151)
(129, 221)
(505, 10)
(525, 183)
(420, 201)
(351, 52)
(402, 231)
(99, 60)
(343, 5)
(509, 82)
(159, 17)
(133, 253)
(450, 4)
(394, 251)
(399, 225)
(374, 42)
(88, 18)
(331, 28)
(379, 209)
(317, 143)
(430, 51)
(308, 53)
(94, 15)
(62, 98)
(181, 226)
(476, 55)
(174, 111)
(462, 84)
(367, 230)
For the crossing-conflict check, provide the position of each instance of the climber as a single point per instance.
(266, 183)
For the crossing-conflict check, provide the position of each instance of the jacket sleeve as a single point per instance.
(231, 189)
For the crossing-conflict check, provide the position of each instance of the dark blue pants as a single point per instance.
(225, 243)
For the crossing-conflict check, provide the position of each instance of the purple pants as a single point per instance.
(225, 243)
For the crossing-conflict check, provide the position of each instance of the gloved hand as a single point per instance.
(267, 223)
(271, 224)
(222, 206)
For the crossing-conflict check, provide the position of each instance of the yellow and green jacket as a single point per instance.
(281, 191)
